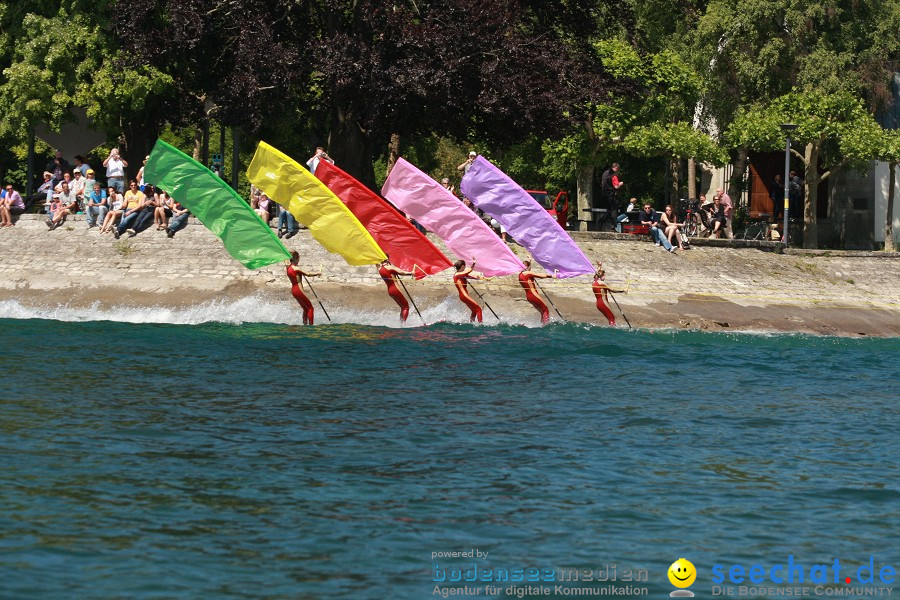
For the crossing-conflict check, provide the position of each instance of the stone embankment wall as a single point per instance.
(74, 264)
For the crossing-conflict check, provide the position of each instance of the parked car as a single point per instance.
(558, 208)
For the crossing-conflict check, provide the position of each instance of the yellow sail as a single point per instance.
(328, 219)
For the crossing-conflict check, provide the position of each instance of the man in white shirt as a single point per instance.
(115, 170)
(313, 162)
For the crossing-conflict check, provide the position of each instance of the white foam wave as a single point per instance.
(250, 309)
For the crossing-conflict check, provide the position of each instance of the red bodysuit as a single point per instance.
(600, 292)
(293, 273)
(527, 282)
(462, 287)
(388, 277)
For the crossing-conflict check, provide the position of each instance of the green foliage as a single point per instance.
(679, 140)
(752, 51)
(652, 123)
(889, 146)
(839, 118)
(54, 56)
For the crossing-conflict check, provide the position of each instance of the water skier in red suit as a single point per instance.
(600, 291)
(389, 274)
(294, 274)
(459, 280)
(526, 280)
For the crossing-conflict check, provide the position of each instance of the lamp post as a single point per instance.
(787, 128)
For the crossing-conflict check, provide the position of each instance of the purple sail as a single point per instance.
(491, 190)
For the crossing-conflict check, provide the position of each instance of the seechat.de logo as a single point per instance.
(682, 574)
(792, 572)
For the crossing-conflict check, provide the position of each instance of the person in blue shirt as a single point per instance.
(95, 206)
(650, 217)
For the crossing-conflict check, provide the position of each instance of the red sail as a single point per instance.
(407, 247)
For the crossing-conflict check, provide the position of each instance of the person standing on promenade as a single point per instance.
(389, 274)
(294, 273)
(58, 166)
(460, 278)
(777, 196)
(464, 167)
(796, 196)
(115, 170)
(526, 280)
(82, 166)
(313, 162)
(609, 190)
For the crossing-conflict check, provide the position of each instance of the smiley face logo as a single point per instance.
(682, 573)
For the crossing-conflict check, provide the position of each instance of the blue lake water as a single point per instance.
(271, 461)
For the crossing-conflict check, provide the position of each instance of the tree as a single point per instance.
(652, 98)
(234, 60)
(890, 153)
(753, 51)
(676, 141)
(454, 68)
(60, 55)
(834, 130)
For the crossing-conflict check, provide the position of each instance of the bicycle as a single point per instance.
(757, 227)
(693, 217)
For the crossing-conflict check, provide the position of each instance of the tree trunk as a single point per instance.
(351, 147)
(135, 144)
(675, 167)
(393, 152)
(889, 218)
(736, 183)
(810, 231)
(585, 195)
(198, 142)
(692, 178)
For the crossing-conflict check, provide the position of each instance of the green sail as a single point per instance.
(216, 205)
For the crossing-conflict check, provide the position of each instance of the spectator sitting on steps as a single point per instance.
(114, 201)
(729, 211)
(132, 205)
(11, 204)
(717, 218)
(179, 220)
(673, 227)
(95, 207)
(623, 218)
(45, 192)
(68, 204)
(287, 224)
(650, 218)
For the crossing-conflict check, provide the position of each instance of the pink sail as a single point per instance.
(525, 220)
(439, 211)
